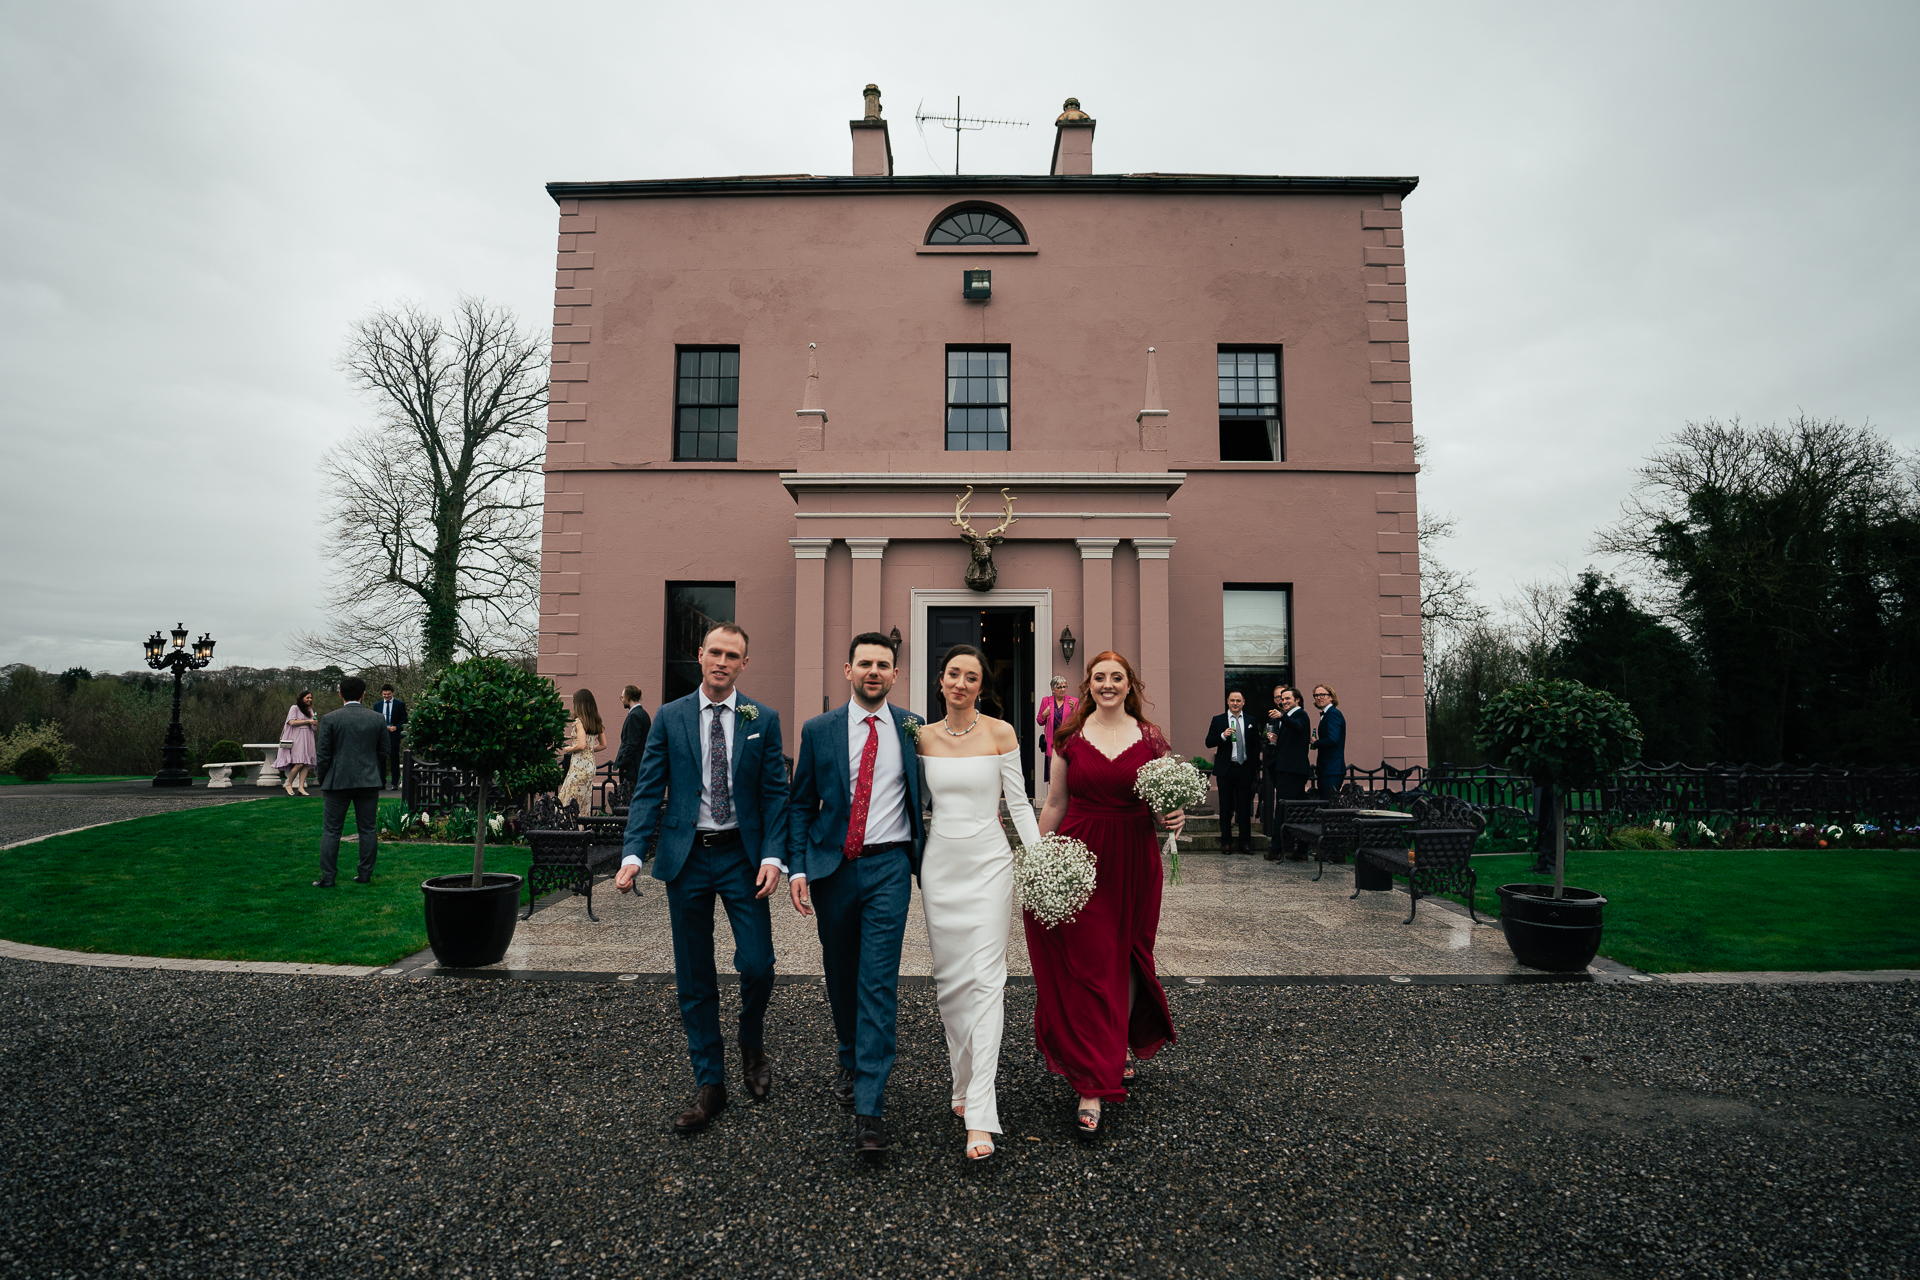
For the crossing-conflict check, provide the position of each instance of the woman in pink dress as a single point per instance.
(297, 756)
(1097, 993)
(1055, 710)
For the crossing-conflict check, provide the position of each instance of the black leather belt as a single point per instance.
(714, 839)
(868, 850)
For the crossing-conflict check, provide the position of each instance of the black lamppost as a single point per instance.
(173, 756)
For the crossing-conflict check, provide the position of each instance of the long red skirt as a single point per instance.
(1081, 970)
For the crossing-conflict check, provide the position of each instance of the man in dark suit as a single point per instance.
(347, 758)
(633, 736)
(854, 840)
(714, 759)
(394, 711)
(1236, 768)
(1330, 741)
(1287, 767)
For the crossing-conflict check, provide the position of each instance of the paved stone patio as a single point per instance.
(1231, 916)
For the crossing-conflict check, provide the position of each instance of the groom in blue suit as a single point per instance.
(715, 757)
(854, 841)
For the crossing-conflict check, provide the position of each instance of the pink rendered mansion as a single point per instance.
(770, 393)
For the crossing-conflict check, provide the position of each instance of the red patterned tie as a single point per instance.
(863, 791)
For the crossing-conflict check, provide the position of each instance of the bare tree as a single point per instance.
(434, 534)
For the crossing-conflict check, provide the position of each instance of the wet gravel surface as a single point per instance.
(168, 1124)
(27, 812)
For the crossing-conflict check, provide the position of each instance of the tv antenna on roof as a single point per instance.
(960, 124)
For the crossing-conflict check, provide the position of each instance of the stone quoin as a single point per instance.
(769, 393)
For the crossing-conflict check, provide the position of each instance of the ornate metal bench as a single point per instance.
(1332, 835)
(1440, 861)
(566, 853)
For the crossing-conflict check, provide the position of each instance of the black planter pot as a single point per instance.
(1560, 935)
(469, 927)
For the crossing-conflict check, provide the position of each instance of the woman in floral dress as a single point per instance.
(584, 737)
(298, 756)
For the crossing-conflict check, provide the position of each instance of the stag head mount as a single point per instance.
(981, 573)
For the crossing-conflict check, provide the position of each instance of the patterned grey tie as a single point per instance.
(722, 797)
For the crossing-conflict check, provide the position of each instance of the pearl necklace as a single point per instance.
(960, 733)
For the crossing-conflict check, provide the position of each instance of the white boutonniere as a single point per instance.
(748, 712)
(912, 728)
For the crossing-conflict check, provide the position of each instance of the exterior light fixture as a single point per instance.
(895, 634)
(976, 286)
(173, 752)
(1067, 643)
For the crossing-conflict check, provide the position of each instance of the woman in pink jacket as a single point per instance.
(1055, 710)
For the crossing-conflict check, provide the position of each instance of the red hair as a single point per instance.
(1135, 704)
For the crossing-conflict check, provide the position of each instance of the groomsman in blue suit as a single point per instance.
(715, 757)
(854, 841)
(1329, 742)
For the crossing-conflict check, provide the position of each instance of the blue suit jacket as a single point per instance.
(672, 766)
(823, 795)
(1332, 748)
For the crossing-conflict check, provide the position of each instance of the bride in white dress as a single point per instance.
(966, 883)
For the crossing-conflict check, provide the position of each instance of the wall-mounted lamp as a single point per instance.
(895, 634)
(976, 286)
(1067, 643)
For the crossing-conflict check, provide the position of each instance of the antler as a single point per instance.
(1006, 521)
(959, 510)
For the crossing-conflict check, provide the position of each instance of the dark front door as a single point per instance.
(1005, 635)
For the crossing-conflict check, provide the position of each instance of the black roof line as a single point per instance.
(804, 184)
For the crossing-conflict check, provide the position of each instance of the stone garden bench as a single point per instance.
(221, 775)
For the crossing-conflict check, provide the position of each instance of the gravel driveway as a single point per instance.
(165, 1124)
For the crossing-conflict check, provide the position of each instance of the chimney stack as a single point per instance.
(1073, 140)
(872, 148)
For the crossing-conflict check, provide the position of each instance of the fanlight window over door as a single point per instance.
(975, 226)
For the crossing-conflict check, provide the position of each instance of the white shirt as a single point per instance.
(887, 806)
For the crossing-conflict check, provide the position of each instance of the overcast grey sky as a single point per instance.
(1628, 216)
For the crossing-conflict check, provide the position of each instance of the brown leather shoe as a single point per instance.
(756, 1073)
(869, 1136)
(708, 1101)
(843, 1087)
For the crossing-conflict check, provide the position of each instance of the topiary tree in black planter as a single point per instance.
(488, 716)
(1563, 735)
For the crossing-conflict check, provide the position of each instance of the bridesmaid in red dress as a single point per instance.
(1094, 978)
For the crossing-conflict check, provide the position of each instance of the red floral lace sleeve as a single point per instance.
(1157, 742)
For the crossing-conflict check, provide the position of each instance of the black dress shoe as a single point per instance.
(869, 1135)
(843, 1088)
(708, 1101)
(323, 884)
(363, 879)
(756, 1073)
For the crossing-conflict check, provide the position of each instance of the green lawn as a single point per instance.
(225, 882)
(1741, 909)
(15, 780)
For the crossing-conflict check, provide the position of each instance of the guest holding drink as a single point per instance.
(1055, 710)
(297, 757)
(1330, 741)
(584, 737)
(1287, 768)
(1097, 993)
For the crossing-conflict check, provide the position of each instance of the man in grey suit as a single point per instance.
(347, 762)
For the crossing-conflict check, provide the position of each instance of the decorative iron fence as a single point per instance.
(1678, 792)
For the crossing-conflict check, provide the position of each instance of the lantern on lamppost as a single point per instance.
(173, 755)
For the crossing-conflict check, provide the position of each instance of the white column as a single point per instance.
(809, 628)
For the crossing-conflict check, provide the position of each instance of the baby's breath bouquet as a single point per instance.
(1053, 878)
(1167, 784)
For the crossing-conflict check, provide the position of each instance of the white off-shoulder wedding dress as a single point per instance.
(966, 891)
